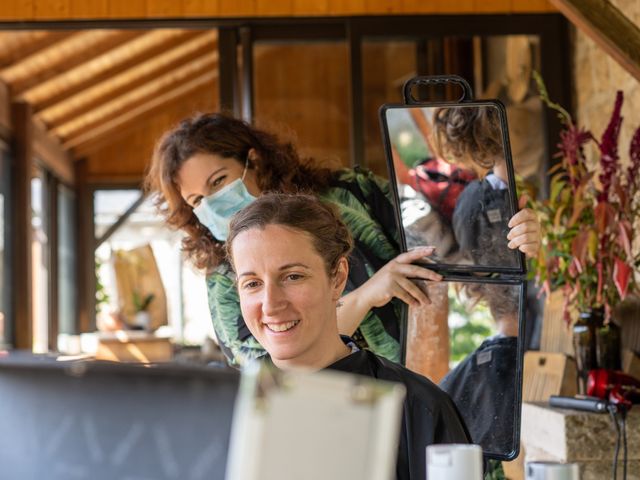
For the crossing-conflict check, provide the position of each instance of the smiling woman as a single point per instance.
(290, 256)
(288, 289)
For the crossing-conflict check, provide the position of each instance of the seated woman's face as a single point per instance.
(287, 298)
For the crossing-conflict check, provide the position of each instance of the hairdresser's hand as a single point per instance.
(390, 281)
(393, 280)
(525, 233)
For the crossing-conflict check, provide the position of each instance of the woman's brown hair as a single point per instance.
(330, 236)
(277, 165)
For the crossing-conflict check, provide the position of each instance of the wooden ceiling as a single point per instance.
(87, 86)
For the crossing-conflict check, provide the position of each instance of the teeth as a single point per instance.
(282, 327)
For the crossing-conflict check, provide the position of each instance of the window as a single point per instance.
(66, 260)
(5, 290)
(40, 262)
(180, 299)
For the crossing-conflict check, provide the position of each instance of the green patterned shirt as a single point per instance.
(360, 198)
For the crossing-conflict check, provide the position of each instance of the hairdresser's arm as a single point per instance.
(392, 280)
(525, 232)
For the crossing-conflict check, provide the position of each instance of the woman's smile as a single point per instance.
(282, 327)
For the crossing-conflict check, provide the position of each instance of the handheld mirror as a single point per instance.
(453, 183)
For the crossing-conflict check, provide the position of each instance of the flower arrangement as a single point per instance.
(590, 218)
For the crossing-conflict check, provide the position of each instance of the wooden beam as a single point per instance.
(49, 150)
(104, 129)
(133, 77)
(5, 109)
(21, 235)
(86, 262)
(608, 27)
(14, 46)
(60, 56)
(130, 100)
(102, 67)
(50, 214)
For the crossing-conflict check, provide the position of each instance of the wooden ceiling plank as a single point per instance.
(608, 27)
(60, 56)
(104, 129)
(100, 65)
(18, 45)
(86, 99)
(128, 148)
(134, 97)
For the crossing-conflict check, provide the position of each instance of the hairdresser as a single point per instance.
(210, 166)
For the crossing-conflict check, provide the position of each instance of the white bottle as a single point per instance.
(454, 462)
(552, 471)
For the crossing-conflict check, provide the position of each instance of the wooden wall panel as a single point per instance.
(493, 6)
(385, 6)
(353, 7)
(126, 156)
(278, 7)
(117, 9)
(532, 6)
(200, 8)
(313, 110)
(79, 9)
(236, 8)
(164, 8)
(52, 9)
(16, 10)
(127, 9)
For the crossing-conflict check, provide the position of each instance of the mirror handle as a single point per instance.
(467, 94)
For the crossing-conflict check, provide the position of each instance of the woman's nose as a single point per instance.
(273, 300)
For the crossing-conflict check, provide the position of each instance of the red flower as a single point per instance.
(609, 149)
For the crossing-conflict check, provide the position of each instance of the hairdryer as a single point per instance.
(616, 387)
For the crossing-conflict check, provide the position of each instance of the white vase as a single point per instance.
(142, 320)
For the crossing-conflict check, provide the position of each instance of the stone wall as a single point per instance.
(597, 77)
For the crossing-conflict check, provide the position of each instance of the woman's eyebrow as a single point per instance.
(291, 265)
(282, 268)
(206, 182)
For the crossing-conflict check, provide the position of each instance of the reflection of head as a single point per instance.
(502, 300)
(470, 135)
(330, 236)
(276, 163)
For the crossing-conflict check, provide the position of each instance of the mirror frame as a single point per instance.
(449, 270)
(465, 273)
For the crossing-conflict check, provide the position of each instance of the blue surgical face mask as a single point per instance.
(215, 210)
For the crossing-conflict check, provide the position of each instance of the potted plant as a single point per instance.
(588, 223)
(141, 303)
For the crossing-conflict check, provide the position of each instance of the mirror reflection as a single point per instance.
(453, 182)
(481, 322)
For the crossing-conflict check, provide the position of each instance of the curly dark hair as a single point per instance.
(471, 135)
(331, 237)
(277, 165)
